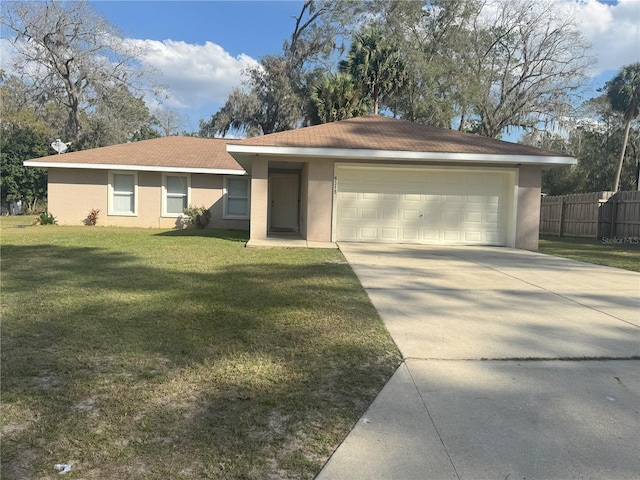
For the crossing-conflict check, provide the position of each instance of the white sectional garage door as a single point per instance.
(423, 205)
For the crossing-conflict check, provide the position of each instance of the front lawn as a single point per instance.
(611, 252)
(155, 354)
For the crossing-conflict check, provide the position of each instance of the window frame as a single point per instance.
(225, 198)
(111, 194)
(165, 193)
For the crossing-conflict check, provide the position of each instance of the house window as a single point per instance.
(236, 198)
(175, 194)
(123, 193)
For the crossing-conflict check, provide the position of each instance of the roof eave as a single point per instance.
(240, 152)
(139, 168)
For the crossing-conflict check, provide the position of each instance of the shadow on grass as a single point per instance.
(230, 235)
(242, 370)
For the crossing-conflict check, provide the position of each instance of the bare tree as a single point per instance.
(170, 122)
(530, 58)
(69, 53)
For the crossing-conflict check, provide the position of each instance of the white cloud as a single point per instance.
(614, 31)
(194, 74)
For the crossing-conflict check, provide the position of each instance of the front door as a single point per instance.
(283, 198)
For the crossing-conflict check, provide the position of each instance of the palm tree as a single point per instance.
(374, 60)
(623, 92)
(336, 97)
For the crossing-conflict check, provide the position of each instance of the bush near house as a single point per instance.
(198, 216)
(92, 217)
(45, 218)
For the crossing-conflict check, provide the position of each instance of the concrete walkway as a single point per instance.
(517, 366)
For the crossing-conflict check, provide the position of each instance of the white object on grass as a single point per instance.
(62, 468)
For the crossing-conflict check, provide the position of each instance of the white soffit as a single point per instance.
(400, 155)
(138, 168)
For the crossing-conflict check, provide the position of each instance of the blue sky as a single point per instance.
(200, 48)
(255, 28)
(246, 30)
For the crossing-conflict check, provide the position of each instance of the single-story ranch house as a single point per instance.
(366, 179)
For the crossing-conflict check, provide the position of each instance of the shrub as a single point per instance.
(92, 218)
(46, 218)
(199, 216)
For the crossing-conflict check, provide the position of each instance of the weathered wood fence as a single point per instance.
(593, 215)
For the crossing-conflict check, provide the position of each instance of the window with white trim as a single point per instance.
(175, 194)
(123, 193)
(236, 197)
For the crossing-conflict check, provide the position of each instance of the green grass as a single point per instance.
(156, 354)
(619, 255)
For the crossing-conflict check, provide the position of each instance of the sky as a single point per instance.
(200, 48)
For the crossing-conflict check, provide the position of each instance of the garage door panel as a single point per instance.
(390, 214)
(410, 215)
(369, 213)
(370, 196)
(491, 218)
(348, 233)
(452, 236)
(422, 205)
(473, 217)
(390, 233)
(348, 212)
(369, 233)
(494, 237)
(472, 236)
(430, 236)
(411, 234)
(452, 218)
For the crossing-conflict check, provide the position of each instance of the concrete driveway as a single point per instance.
(517, 366)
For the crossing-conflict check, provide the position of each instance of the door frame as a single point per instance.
(292, 176)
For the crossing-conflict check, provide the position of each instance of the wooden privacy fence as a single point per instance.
(592, 215)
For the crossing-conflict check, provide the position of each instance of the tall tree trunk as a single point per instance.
(376, 98)
(624, 148)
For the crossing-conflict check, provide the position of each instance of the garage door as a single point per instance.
(423, 205)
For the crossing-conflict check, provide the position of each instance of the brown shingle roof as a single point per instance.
(375, 132)
(173, 152)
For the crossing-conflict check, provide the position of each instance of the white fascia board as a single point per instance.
(400, 155)
(138, 168)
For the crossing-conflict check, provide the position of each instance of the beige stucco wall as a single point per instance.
(319, 200)
(72, 193)
(259, 198)
(528, 211)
